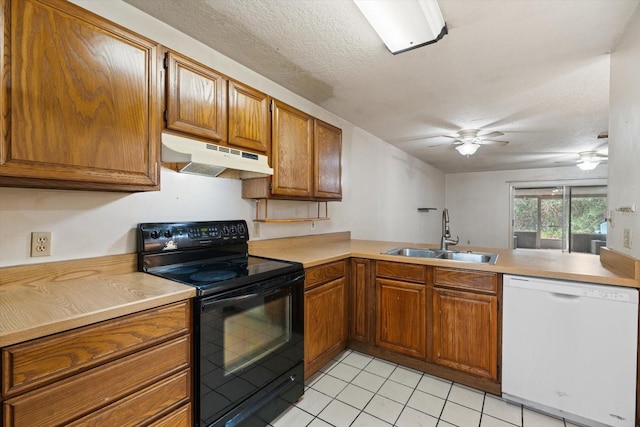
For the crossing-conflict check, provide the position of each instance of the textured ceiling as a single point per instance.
(536, 70)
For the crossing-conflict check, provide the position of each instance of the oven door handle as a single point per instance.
(278, 287)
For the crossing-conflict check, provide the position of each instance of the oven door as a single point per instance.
(250, 350)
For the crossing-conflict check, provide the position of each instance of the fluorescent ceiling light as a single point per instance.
(588, 165)
(467, 148)
(404, 25)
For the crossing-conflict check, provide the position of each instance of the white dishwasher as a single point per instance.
(570, 349)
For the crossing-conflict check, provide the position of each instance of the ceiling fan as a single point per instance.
(467, 141)
(588, 160)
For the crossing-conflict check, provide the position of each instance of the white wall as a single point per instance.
(479, 202)
(382, 186)
(624, 138)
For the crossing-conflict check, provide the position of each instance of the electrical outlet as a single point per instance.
(256, 229)
(313, 225)
(626, 239)
(40, 243)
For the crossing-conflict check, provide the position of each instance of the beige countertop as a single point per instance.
(43, 299)
(316, 250)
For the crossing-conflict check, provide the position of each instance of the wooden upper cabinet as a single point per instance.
(249, 118)
(291, 152)
(327, 161)
(306, 156)
(80, 100)
(196, 98)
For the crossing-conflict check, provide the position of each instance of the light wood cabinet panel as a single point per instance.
(73, 115)
(130, 370)
(327, 161)
(324, 273)
(478, 281)
(82, 394)
(291, 152)
(465, 332)
(196, 98)
(146, 404)
(249, 118)
(400, 317)
(42, 361)
(361, 298)
(399, 271)
(181, 417)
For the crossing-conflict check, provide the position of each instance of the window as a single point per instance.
(560, 218)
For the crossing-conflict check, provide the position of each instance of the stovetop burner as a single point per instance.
(212, 276)
(211, 256)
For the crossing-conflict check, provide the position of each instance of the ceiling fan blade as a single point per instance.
(492, 142)
(491, 134)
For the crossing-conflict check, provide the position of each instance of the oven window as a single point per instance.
(252, 333)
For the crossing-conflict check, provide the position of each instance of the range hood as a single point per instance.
(201, 158)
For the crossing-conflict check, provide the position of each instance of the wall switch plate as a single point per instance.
(256, 229)
(40, 243)
(626, 239)
(313, 225)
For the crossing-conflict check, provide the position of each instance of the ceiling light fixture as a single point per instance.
(467, 148)
(404, 25)
(588, 165)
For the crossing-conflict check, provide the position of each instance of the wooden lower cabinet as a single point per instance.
(361, 301)
(400, 317)
(131, 370)
(325, 314)
(464, 332)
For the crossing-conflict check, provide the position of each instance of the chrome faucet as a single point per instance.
(446, 233)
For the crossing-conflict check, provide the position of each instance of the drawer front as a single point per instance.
(84, 393)
(181, 417)
(324, 273)
(42, 361)
(466, 280)
(400, 271)
(146, 404)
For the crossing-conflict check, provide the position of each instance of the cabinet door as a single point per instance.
(327, 161)
(325, 323)
(361, 295)
(465, 332)
(80, 104)
(291, 152)
(249, 119)
(196, 98)
(400, 317)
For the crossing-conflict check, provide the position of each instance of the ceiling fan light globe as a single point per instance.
(588, 165)
(467, 148)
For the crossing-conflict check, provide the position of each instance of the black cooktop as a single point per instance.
(209, 255)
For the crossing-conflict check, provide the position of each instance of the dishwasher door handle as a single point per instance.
(567, 297)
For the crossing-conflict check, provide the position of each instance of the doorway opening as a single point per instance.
(563, 218)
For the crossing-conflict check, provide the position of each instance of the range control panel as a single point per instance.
(169, 236)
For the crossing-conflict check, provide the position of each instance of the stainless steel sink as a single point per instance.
(413, 252)
(469, 256)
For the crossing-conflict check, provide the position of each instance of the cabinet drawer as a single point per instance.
(144, 405)
(179, 418)
(465, 279)
(89, 391)
(41, 361)
(324, 273)
(400, 271)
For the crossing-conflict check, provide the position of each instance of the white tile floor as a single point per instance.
(356, 390)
